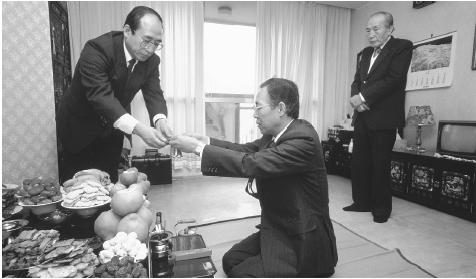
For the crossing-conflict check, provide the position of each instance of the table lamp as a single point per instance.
(419, 116)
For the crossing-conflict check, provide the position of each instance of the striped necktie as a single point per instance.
(377, 51)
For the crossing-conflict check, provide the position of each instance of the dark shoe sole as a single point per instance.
(380, 219)
(356, 208)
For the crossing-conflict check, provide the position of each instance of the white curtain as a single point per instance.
(309, 44)
(181, 66)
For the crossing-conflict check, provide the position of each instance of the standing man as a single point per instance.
(295, 237)
(94, 114)
(378, 99)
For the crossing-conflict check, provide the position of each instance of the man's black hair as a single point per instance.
(286, 91)
(133, 18)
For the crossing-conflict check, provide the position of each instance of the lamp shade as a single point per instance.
(420, 115)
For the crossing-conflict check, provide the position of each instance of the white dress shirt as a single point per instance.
(127, 122)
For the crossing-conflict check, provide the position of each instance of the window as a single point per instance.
(229, 81)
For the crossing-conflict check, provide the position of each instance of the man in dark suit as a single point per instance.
(295, 237)
(378, 99)
(94, 114)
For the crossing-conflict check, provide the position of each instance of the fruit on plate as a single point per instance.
(134, 223)
(128, 176)
(127, 201)
(39, 190)
(105, 226)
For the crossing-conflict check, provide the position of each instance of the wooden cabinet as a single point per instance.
(443, 184)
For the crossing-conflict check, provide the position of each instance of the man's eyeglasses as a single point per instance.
(257, 108)
(151, 45)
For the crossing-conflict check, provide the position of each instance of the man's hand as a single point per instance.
(150, 136)
(185, 143)
(355, 101)
(163, 129)
(203, 139)
(363, 107)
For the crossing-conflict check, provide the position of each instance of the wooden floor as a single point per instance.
(442, 244)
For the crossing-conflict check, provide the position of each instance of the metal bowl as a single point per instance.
(12, 227)
(40, 209)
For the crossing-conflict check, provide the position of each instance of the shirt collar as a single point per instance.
(128, 55)
(275, 139)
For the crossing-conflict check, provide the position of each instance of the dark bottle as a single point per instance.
(160, 250)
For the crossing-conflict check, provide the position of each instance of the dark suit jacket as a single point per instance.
(296, 231)
(383, 88)
(101, 91)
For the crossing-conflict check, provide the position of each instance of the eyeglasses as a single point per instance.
(151, 45)
(257, 108)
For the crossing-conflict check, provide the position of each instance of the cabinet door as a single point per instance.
(422, 184)
(455, 193)
(398, 174)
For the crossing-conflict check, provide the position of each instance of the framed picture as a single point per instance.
(473, 66)
(421, 4)
(432, 62)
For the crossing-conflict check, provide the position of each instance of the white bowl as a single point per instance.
(86, 211)
(39, 209)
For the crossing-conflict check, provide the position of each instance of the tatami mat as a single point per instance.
(358, 257)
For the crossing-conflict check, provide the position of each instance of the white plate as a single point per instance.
(86, 211)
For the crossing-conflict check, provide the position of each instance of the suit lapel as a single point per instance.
(365, 64)
(381, 56)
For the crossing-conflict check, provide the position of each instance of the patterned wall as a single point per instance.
(28, 112)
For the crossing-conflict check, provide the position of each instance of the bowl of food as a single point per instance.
(86, 211)
(12, 227)
(40, 209)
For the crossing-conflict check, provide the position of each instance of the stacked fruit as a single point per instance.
(39, 190)
(129, 208)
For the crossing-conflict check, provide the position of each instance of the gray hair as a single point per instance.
(388, 17)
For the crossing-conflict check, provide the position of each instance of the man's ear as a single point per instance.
(127, 30)
(282, 108)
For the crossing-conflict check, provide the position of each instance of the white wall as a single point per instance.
(457, 102)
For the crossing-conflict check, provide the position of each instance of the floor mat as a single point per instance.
(358, 257)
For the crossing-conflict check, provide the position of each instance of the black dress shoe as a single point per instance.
(380, 219)
(356, 208)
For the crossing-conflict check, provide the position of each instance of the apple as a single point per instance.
(143, 186)
(116, 187)
(141, 177)
(128, 177)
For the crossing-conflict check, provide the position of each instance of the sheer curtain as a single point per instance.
(309, 44)
(181, 66)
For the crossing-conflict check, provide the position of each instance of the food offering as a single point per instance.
(44, 255)
(86, 192)
(123, 245)
(39, 191)
(9, 201)
(124, 267)
(129, 208)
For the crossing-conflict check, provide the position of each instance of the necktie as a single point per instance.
(376, 52)
(131, 65)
